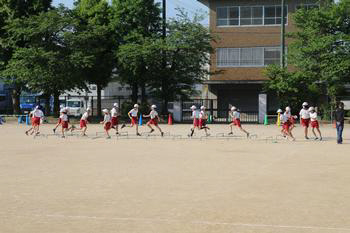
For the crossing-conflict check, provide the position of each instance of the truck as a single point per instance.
(76, 106)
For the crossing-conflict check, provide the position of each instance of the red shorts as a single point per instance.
(115, 121)
(202, 122)
(314, 124)
(83, 123)
(134, 120)
(64, 124)
(195, 122)
(292, 120)
(108, 126)
(36, 121)
(305, 122)
(237, 122)
(59, 121)
(286, 126)
(153, 122)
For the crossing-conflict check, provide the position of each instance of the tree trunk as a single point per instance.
(99, 107)
(165, 106)
(143, 94)
(134, 94)
(56, 104)
(47, 105)
(15, 95)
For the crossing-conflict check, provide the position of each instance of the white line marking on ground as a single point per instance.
(160, 220)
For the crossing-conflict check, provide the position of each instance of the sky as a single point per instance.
(191, 6)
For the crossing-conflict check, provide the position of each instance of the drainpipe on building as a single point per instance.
(283, 39)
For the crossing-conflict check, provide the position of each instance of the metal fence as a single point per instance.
(218, 115)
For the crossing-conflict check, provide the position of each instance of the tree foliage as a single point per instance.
(319, 51)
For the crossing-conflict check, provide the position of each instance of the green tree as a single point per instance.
(138, 23)
(11, 10)
(47, 64)
(187, 48)
(95, 39)
(319, 52)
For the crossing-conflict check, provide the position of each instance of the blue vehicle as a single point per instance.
(5, 99)
(29, 102)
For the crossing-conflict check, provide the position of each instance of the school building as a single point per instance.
(248, 39)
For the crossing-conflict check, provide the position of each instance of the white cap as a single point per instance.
(202, 107)
(311, 109)
(233, 108)
(305, 104)
(279, 111)
(288, 109)
(105, 111)
(136, 105)
(37, 107)
(153, 106)
(88, 109)
(193, 107)
(62, 110)
(116, 105)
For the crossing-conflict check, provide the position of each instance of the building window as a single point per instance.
(228, 16)
(307, 6)
(248, 57)
(250, 15)
(273, 15)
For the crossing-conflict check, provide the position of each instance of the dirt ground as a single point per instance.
(153, 185)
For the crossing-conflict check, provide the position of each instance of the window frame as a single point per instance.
(252, 18)
(307, 5)
(239, 56)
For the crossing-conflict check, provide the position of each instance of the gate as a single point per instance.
(218, 115)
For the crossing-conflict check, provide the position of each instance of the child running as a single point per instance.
(305, 118)
(285, 120)
(106, 122)
(314, 123)
(236, 120)
(64, 122)
(115, 113)
(195, 116)
(37, 116)
(154, 120)
(134, 119)
(84, 122)
(203, 117)
(280, 112)
(59, 120)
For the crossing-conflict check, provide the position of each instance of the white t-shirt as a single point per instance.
(153, 114)
(133, 112)
(37, 113)
(304, 114)
(195, 114)
(235, 115)
(313, 116)
(114, 112)
(85, 116)
(284, 117)
(107, 118)
(202, 114)
(64, 117)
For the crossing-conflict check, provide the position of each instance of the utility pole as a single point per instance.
(164, 19)
(283, 35)
(164, 63)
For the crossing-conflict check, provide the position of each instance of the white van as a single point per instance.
(76, 107)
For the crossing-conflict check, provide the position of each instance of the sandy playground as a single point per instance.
(153, 185)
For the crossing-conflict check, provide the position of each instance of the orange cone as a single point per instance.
(170, 120)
